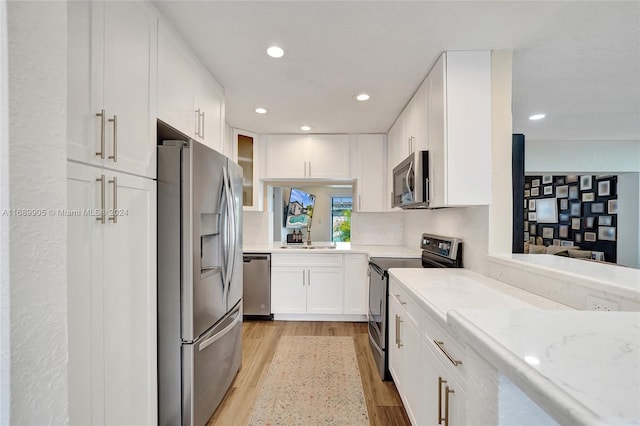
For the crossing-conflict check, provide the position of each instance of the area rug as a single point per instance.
(313, 380)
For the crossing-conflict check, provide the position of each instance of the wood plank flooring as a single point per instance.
(260, 339)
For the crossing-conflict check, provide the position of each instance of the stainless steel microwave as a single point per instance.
(411, 182)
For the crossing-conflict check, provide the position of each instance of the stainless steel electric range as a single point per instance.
(437, 252)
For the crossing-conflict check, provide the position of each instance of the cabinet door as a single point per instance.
(356, 284)
(209, 100)
(328, 156)
(84, 291)
(412, 385)
(84, 91)
(371, 164)
(437, 133)
(395, 348)
(176, 87)
(430, 394)
(324, 290)
(395, 154)
(287, 156)
(421, 125)
(130, 69)
(129, 301)
(288, 290)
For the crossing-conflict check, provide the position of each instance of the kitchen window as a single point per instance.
(341, 218)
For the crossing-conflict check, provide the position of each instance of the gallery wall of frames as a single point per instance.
(572, 211)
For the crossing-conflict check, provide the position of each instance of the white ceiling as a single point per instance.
(578, 62)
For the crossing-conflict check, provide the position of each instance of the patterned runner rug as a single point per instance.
(313, 380)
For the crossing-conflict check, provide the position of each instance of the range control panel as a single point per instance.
(443, 246)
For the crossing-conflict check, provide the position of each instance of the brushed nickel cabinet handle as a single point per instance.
(202, 126)
(304, 278)
(305, 169)
(198, 122)
(440, 383)
(398, 341)
(359, 202)
(101, 114)
(114, 214)
(309, 168)
(101, 217)
(446, 405)
(114, 120)
(440, 345)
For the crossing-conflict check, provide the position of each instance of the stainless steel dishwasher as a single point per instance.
(257, 286)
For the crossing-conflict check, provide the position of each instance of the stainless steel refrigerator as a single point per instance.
(199, 280)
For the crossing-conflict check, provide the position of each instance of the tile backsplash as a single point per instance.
(384, 229)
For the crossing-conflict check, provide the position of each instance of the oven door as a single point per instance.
(378, 317)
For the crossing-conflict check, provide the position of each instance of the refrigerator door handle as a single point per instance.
(234, 231)
(230, 230)
(219, 335)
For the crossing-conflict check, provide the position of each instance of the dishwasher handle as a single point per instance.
(249, 258)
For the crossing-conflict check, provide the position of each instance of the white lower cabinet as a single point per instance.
(315, 288)
(356, 284)
(443, 397)
(320, 284)
(426, 363)
(404, 352)
(112, 297)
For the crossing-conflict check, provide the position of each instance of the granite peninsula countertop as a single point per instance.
(582, 367)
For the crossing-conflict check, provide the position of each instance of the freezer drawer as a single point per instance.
(257, 285)
(210, 364)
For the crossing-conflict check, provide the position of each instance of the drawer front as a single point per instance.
(451, 351)
(412, 310)
(304, 260)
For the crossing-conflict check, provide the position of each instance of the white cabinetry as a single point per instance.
(356, 284)
(111, 217)
(459, 129)
(404, 350)
(112, 85)
(189, 99)
(370, 173)
(302, 156)
(112, 297)
(315, 288)
(425, 362)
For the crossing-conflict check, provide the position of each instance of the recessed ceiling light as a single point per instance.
(305, 128)
(275, 52)
(537, 117)
(261, 110)
(362, 97)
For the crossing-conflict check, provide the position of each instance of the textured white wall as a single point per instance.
(37, 108)
(5, 342)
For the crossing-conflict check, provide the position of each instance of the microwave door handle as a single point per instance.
(406, 180)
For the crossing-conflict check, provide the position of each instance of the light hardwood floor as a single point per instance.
(260, 339)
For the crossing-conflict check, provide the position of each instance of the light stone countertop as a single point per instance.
(588, 369)
(582, 367)
(614, 279)
(320, 247)
(441, 290)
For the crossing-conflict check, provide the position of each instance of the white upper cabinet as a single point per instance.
(301, 156)
(396, 147)
(460, 129)
(189, 98)
(371, 166)
(328, 156)
(287, 156)
(113, 67)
